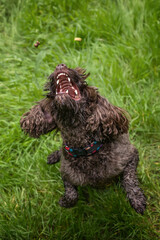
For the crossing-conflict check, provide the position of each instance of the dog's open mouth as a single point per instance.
(64, 85)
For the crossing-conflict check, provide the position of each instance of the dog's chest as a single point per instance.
(77, 133)
(105, 164)
(75, 137)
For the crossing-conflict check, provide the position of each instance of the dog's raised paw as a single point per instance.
(53, 158)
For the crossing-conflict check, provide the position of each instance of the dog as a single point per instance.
(96, 146)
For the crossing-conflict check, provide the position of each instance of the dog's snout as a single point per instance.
(61, 66)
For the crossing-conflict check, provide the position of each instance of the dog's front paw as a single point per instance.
(53, 158)
(139, 203)
(67, 203)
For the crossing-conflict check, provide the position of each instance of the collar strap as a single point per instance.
(87, 151)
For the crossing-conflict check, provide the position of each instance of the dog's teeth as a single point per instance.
(76, 92)
(66, 91)
(60, 74)
(57, 82)
(69, 80)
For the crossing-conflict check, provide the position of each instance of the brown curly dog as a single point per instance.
(96, 146)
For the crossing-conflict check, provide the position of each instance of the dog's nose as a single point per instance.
(61, 66)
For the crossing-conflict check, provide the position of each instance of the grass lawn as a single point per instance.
(120, 47)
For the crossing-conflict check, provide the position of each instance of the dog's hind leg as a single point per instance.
(70, 197)
(131, 185)
(54, 157)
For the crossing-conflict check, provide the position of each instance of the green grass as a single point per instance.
(120, 48)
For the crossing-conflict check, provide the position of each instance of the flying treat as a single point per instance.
(77, 39)
(37, 44)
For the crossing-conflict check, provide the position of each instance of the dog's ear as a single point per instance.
(39, 119)
(109, 119)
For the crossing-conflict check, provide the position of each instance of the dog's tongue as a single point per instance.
(71, 92)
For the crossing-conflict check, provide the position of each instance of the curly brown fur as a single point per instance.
(70, 197)
(83, 116)
(130, 184)
(54, 157)
(39, 119)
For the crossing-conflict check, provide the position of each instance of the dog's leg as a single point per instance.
(70, 197)
(54, 157)
(131, 185)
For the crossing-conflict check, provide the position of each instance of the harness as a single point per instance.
(87, 151)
